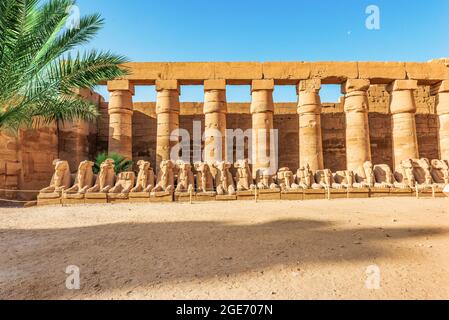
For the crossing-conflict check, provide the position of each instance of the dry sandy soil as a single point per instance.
(234, 250)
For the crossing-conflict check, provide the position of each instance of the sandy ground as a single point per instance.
(234, 250)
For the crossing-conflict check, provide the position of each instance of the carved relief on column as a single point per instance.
(403, 109)
(442, 109)
(120, 117)
(215, 108)
(358, 147)
(309, 110)
(167, 110)
(262, 109)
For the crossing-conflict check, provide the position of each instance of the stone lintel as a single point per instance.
(311, 85)
(400, 85)
(214, 84)
(121, 85)
(167, 85)
(355, 85)
(440, 87)
(258, 85)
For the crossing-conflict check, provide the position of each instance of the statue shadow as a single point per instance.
(124, 255)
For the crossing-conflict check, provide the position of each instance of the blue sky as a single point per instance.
(258, 30)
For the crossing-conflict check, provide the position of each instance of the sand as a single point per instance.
(234, 250)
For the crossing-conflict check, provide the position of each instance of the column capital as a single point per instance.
(258, 85)
(401, 85)
(121, 85)
(168, 85)
(309, 86)
(440, 87)
(214, 84)
(352, 85)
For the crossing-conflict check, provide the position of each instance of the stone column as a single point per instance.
(262, 109)
(358, 147)
(167, 110)
(403, 109)
(120, 117)
(215, 109)
(442, 109)
(309, 110)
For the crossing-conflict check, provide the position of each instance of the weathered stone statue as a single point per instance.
(124, 184)
(105, 179)
(204, 178)
(343, 179)
(84, 180)
(265, 180)
(61, 179)
(145, 178)
(185, 179)
(422, 172)
(364, 177)
(243, 177)
(384, 176)
(285, 179)
(323, 179)
(305, 178)
(223, 178)
(440, 172)
(165, 180)
(404, 175)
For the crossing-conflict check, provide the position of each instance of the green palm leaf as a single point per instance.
(39, 68)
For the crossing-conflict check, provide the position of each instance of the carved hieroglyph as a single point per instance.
(223, 178)
(184, 177)
(309, 110)
(243, 176)
(145, 178)
(105, 179)
(84, 180)
(204, 178)
(358, 147)
(165, 179)
(60, 181)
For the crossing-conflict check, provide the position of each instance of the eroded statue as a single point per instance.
(223, 178)
(105, 179)
(343, 179)
(364, 177)
(285, 179)
(84, 180)
(384, 176)
(125, 182)
(265, 180)
(61, 179)
(204, 178)
(185, 179)
(243, 177)
(165, 180)
(145, 178)
(422, 172)
(440, 172)
(404, 175)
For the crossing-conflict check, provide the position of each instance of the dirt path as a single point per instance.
(265, 250)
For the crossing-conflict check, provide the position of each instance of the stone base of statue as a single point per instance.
(184, 196)
(73, 198)
(45, 199)
(268, 194)
(139, 197)
(315, 194)
(292, 194)
(379, 192)
(245, 195)
(358, 192)
(397, 192)
(118, 197)
(161, 196)
(226, 197)
(338, 193)
(446, 191)
(96, 197)
(206, 196)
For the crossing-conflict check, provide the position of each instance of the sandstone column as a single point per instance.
(442, 109)
(403, 109)
(215, 109)
(120, 117)
(358, 147)
(309, 110)
(262, 109)
(167, 110)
